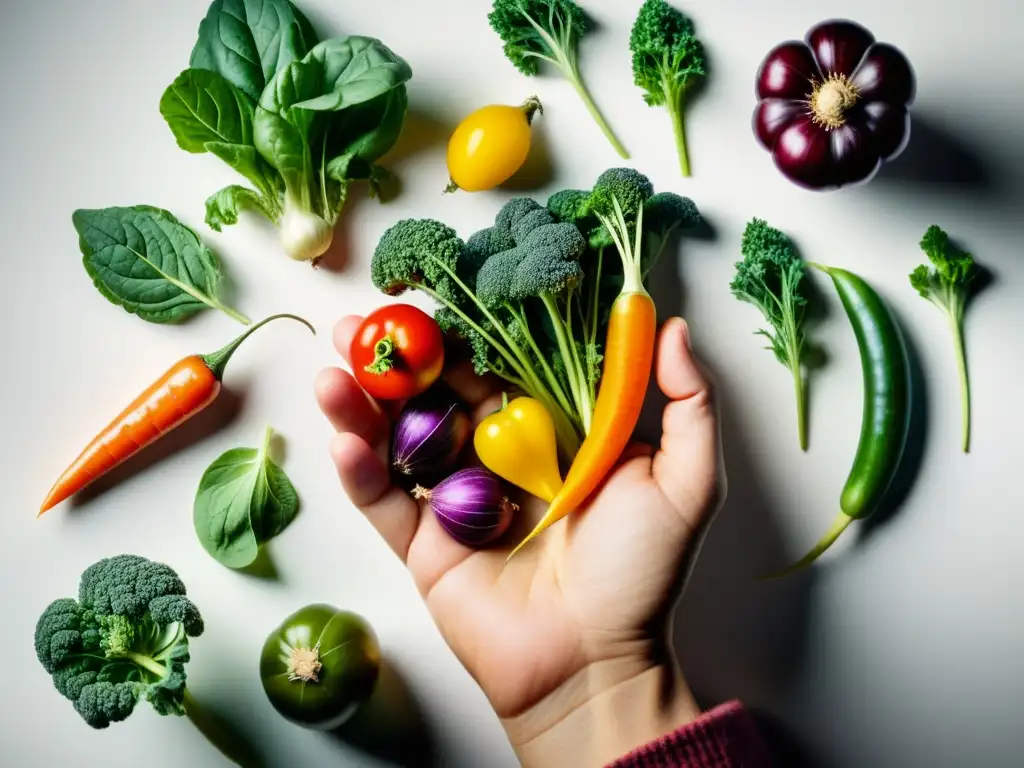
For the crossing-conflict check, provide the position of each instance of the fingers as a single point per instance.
(686, 466)
(366, 480)
(347, 406)
(344, 332)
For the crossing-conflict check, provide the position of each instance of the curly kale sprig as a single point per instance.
(949, 286)
(548, 30)
(667, 60)
(770, 277)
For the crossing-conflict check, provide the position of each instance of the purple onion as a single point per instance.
(470, 505)
(429, 435)
(834, 107)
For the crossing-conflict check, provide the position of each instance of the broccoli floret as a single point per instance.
(417, 253)
(949, 287)
(125, 637)
(664, 214)
(547, 30)
(545, 261)
(667, 58)
(617, 201)
(769, 277)
(570, 205)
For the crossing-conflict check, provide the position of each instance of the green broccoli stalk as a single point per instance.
(124, 639)
(769, 277)
(948, 286)
(666, 59)
(428, 256)
(548, 30)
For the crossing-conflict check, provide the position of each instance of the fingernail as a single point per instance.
(686, 334)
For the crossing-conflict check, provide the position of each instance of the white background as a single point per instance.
(902, 648)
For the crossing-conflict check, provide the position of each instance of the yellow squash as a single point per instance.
(490, 145)
(518, 444)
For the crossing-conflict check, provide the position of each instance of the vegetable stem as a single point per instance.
(801, 403)
(838, 526)
(234, 314)
(679, 129)
(965, 385)
(574, 77)
(217, 361)
(147, 663)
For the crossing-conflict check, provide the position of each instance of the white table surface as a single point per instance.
(901, 649)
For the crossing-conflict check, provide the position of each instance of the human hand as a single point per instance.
(569, 639)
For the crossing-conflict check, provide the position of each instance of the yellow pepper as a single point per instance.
(518, 444)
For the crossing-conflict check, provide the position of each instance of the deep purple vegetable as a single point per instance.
(833, 108)
(471, 506)
(429, 435)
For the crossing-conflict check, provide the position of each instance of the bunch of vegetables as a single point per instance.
(533, 293)
(299, 119)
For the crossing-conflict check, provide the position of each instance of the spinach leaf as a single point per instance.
(244, 500)
(144, 260)
(249, 41)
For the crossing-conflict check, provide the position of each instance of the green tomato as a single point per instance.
(320, 665)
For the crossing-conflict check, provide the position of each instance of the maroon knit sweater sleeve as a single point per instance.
(724, 737)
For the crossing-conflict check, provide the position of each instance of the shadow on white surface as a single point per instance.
(390, 726)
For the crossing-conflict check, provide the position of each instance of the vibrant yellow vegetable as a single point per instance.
(490, 145)
(518, 444)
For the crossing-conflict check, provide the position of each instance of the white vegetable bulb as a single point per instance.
(304, 235)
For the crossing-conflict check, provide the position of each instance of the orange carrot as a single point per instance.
(628, 353)
(184, 390)
(629, 350)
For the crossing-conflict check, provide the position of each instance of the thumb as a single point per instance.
(686, 466)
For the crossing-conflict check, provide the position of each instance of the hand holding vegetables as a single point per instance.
(833, 108)
(184, 390)
(593, 596)
(490, 145)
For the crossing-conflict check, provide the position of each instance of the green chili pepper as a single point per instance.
(886, 416)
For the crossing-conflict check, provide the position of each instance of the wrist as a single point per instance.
(603, 712)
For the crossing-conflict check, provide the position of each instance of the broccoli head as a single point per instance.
(420, 253)
(570, 205)
(664, 214)
(627, 186)
(543, 260)
(125, 637)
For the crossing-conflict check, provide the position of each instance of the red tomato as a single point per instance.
(398, 352)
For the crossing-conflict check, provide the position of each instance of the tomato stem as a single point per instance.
(531, 107)
(383, 357)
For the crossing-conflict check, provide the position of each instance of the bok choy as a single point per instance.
(300, 120)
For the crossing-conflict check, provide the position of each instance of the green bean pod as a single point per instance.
(886, 415)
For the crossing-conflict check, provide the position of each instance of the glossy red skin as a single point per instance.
(419, 352)
(877, 127)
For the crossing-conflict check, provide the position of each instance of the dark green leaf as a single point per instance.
(290, 128)
(249, 41)
(202, 107)
(146, 261)
(244, 500)
(223, 207)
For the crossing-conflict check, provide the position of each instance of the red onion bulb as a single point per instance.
(429, 435)
(832, 108)
(470, 505)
